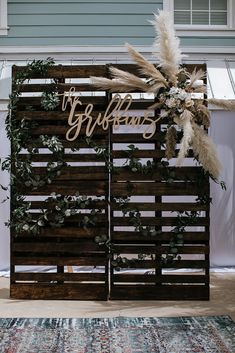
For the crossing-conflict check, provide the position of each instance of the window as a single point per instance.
(202, 14)
(3, 17)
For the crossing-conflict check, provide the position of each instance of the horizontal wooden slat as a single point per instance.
(71, 157)
(99, 204)
(67, 71)
(96, 188)
(149, 278)
(100, 140)
(151, 292)
(182, 173)
(55, 291)
(47, 277)
(161, 221)
(157, 189)
(133, 249)
(52, 247)
(36, 101)
(149, 154)
(60, 261)
(135, 138)
(73, 232)
(178, 264)
(168, 206)
(123, 236)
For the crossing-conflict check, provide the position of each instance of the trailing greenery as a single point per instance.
(59, 208)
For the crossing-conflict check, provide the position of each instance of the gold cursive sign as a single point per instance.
(115, 114)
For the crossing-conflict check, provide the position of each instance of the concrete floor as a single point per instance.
(222, 302)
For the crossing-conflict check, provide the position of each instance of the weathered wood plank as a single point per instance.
(67, 71)
(166, 292)
(96, 188)
(156, 188)
(151, 249)
(47, 277)
(60, 261)
(154, 221)
(152, 278)
(55, 291)
(191, 237)
(52, 247)
(168, 206)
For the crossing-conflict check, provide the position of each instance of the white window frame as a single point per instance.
(3, 18)
(205, 30)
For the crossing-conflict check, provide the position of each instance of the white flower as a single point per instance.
(26, 227)
(171, 103)
(173, 91)
(41, 223)
(182, 94)
(67, 213)
(189, 103)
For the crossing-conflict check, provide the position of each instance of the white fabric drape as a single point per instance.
(4, 207)
(222, 209)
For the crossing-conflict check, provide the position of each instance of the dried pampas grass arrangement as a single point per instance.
(223, 103)
(174, 90)
(168, 46)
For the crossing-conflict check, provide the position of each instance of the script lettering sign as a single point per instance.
(116, 113)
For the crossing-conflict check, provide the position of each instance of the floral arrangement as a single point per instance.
(175, 90)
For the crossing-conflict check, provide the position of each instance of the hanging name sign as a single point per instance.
(116, 114)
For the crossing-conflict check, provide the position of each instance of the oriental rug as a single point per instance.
(211, 334)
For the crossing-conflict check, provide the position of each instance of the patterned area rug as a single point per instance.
(211, 334)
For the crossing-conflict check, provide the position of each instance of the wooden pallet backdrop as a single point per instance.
(157, 200)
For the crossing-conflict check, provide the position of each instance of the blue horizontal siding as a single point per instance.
(92, 22)
(76, 22)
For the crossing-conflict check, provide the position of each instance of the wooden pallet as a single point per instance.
(71, 245)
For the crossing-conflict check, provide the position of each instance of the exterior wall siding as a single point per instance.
(77, 22)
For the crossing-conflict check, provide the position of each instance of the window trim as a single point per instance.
(205, 30)
(3, 18)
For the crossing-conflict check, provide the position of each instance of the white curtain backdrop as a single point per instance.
(222, 209)
(4, 207)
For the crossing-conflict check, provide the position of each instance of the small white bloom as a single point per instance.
(26, 227)
(173, 91)
(41, 223)
(67, 213)
(171, 103)
(182, 94)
